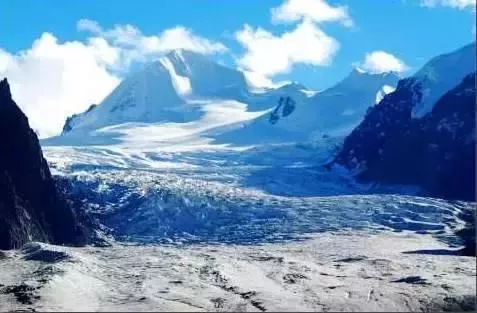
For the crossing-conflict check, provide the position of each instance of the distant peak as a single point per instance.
(181, 53)
(357, 71)
(4, 83)
(293, 84)
(174, 52)
(5, 88)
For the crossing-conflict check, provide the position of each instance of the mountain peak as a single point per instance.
(359, 72)
(185, 54)
(359, 78)
(179, 51)
(5, 88)
(293, 85)
(159, 90)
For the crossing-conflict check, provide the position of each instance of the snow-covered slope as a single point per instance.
(181, 88)
(350, 272)
(386, 89)
(146, 96)
(200, 76)
(161, 90)
(343, 106)
(441, 74)
(307, 116)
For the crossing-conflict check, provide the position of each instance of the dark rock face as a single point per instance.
(285, 107)
(67, 127)
(70, 119)
(436, 152)
(31, 208)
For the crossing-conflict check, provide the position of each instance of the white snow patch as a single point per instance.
(385, 90)
(440, 75)
(181, 83)
(309, 93)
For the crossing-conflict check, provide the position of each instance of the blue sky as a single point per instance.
(316, 49)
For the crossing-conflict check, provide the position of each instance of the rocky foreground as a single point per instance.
(342, 271)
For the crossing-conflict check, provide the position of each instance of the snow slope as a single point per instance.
(386, 89)
(440, 75)
(332, 112)
(160, 92)
(331, 272)
(341, 106)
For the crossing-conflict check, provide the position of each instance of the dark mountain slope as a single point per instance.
(31, 208)
(436, 152)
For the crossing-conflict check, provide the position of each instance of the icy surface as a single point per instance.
(272, 193)
(331, 272)
(247, 228)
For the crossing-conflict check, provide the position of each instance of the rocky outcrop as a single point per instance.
(68, 126)
(435, 152)
(31, 208)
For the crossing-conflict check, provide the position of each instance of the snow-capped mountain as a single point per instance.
(412, 137)
(161, 90)
(344, 105)
(303, 115)
(183, 87)
(193, 74)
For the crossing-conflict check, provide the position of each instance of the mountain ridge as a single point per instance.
(392, 145)
(173, 84)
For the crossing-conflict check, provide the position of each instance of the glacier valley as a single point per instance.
(223, 200)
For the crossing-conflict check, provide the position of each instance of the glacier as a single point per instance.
(210, 206)
(184, 150)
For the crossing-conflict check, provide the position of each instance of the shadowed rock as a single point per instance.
(31, 208)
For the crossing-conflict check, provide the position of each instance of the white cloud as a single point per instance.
(89, 25)
(137, 47)
(269, 55)
(457, 4)
(52, 80)
(313, 10)
(381, 62)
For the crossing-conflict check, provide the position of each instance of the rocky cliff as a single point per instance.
(31, 208)
(435, 152)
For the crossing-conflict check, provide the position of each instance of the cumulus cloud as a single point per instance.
(52, 80)
(269, 55)
(457, 4)
(137, 47)
(381, 62)
(314, 10)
